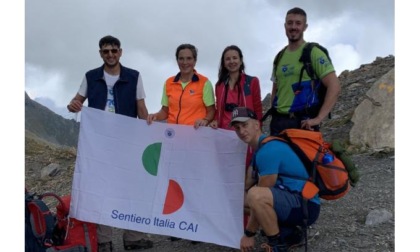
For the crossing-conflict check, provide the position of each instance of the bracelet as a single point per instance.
(249, 233)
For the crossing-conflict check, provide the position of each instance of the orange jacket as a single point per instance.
(186, 105)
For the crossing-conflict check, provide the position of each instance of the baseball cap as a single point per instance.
(242, 114)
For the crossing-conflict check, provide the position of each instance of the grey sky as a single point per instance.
(61, 38)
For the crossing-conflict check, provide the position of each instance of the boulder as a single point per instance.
(374, 119)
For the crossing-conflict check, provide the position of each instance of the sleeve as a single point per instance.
(217, 96)
(164, 101)
(273, 76)
(322, 65)
(208, 94)
(140, 89)
(83, 87)
(268, 160)
(275, 64)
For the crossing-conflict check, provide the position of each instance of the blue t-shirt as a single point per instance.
(277, 157)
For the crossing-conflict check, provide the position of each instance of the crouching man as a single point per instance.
(275, 202)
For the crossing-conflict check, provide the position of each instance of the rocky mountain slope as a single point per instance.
(42, 123)
(361, 221)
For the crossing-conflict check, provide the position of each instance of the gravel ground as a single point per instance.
(340, 227)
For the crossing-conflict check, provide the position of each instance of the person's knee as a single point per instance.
(257, 196)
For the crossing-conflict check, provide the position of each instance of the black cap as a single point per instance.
(242, 114)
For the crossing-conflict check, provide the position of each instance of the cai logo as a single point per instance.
(174, 195)
(284, 68)
(324, 61)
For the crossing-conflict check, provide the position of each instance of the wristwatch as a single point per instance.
(249, 233)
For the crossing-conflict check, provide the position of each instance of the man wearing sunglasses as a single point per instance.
(116, 89)
(111, 87)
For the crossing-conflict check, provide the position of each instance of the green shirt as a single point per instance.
(287, 75)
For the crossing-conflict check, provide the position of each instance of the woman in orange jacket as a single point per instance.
(188, 96)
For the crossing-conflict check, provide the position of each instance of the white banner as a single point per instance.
(160, 178)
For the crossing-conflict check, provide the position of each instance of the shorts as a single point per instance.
(289, 208)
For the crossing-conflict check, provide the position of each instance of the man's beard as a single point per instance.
(293, 39)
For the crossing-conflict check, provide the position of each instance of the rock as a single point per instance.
(374, 118)
(50, 171)
(377, 216)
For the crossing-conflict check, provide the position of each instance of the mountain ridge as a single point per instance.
(43, 123)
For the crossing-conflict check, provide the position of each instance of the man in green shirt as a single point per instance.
(288, 96)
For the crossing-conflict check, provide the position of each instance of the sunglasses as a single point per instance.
(106, 51)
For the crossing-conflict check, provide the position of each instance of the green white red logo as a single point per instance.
(174, 195)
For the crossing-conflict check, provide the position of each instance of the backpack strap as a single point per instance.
(87, 238)
(278, 138)
(277, 60)
(261, 143)
(305, 209)
(269, 112)
(305, 58)
(42, 221)
(270, 138)
(246, 91)
(308, 164)
(247, 85)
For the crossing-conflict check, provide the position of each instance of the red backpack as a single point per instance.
(73, 233)
(328, 176)
(56, 231)
(39, 223)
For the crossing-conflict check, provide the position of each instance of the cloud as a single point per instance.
(44, 82)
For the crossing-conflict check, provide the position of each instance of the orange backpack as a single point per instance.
(328, 175)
